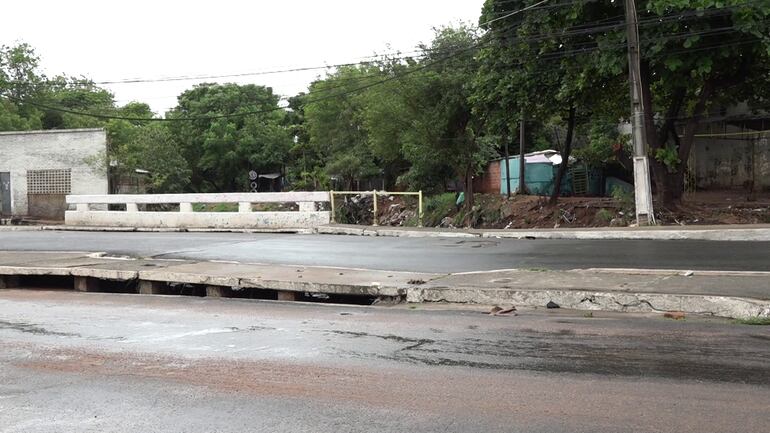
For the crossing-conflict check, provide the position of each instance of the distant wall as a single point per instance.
(538, 177)
(732, 161)
(488, 182)
(73, 149)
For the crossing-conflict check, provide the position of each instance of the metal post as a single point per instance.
(522, 159)
(331, 201)
(419, 209)
(374, 202)
(507, 164)
(642, 187)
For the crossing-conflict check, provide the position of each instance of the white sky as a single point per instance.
(112, 40)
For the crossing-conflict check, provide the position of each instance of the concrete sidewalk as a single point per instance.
(755, 232)
(727, 294)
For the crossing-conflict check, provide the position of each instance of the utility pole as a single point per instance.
(642, 187)
(522, 159)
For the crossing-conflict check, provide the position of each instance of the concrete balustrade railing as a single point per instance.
(90, 210)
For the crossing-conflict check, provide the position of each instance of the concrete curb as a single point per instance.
(728, 233)
(722, 306)
(9, 228)
(682, 272)
(173, 230)
(712, 234)
(641, 234)
(436, 288)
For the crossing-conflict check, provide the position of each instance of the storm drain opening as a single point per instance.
(150, 287)
(184, 289)
(336, 298)
(40, 282)
(115, 286)
(250, 293)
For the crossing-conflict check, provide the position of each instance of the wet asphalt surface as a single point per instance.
(82, 362)
(405, 254)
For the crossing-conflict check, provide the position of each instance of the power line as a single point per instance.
(402, 55)
(288, 70)
(253, 112)
(513, 13)
(728, 134)
(656, 20)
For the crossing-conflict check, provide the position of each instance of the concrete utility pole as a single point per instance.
(642, 187)
(522, 160)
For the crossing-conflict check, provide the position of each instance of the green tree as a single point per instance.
(154, 149)
(77, 95)
(696, 54)
(535, 62)
(235, 128)
(333, 111)
(424, 117)
(19, 75)
(306, 163)
(19, 79)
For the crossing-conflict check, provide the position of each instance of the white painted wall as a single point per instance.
(55, 149)
(85, 213)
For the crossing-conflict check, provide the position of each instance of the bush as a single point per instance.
(604, 215)
(438, 207)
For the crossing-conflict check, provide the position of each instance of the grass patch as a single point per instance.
(215, 207)
(756, 321)
(437, 207)
(537, 270)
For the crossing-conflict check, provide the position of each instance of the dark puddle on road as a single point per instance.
(412, 343)
(30, 328)
(563, 352)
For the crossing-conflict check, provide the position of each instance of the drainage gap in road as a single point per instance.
(115, 286)
(149, 287)
(335, 298)
(184, 289)
(250, 293)
(43, 282)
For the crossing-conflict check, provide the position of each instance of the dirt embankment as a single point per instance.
(519, 212)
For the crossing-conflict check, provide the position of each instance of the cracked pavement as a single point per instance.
(91, 362)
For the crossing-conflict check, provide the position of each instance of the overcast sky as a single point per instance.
(111, 40)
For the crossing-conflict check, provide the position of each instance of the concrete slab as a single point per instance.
(760, 232)
(732, 294)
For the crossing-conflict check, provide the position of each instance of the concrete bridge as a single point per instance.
(145, 210)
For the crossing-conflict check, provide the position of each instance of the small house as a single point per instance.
(39, 168)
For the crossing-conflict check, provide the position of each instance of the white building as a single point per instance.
(39, 168)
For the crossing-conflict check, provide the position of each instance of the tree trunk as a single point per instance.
(669, 187)
(507, 163)
(564, 157)
(468, 187)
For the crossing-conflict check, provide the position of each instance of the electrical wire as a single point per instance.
(656, 20)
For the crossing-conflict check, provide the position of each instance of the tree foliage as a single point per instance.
(696, 55)
(424, 121)
(333, 112)
(222, 150)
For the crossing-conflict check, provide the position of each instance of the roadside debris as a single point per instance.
(498, 311)
(676, 315)
(552, 305)
(689, 273)
(416, 282)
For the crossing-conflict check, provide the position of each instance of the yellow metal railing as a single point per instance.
(374, 194)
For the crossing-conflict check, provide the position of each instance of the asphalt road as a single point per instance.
(89, 362)
(405, 254)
